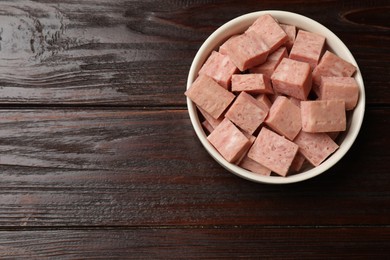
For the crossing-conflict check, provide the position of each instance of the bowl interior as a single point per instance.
(333, 43)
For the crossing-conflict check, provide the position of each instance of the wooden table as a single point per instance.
(98, 158)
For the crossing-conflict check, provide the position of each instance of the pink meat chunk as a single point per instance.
(222, 49)
(273, 97)
(229, 141)
(250, 137)
(332, 65)
(291, 32)
(308, 48)
(323, 116)
(284, 118)
(344, 88)
(295, 101)
(220, 68)
(209, 95)
(253, 166)
(263, 99)
(270, 30)
(273, 60)
(252, 83)
(246, 112)
(251, 141)
(247, 50)
(316, 147)
(273, 151)
(297, 163)
(211, 120)
(292, 78)
(333, 135)
(207, 126)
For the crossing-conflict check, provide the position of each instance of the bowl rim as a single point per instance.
(238, 25)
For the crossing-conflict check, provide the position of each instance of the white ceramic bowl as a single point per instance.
(334, 44)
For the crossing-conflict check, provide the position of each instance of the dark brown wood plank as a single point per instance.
(138, 53)
(210, 243)
(83, 174)
(125, 168)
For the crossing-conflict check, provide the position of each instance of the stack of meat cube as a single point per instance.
(273, 98)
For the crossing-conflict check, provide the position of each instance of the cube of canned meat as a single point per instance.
(291, 32)
(247, 113)
(270, 30)
(344, 88)
(297, 163)
(295, 101)
(229, 141)
(206, 125)
(252, 83)
(273, 151)
(332, 65)
(333, 135)
(253, 166)
(273, 60)
(220, 68)
(323, 116)
(273, 97)
(292, 78)
(263, 99)
(316, 147)
(308, 48)
(252, 139)
(222, 49)
(209, 95)
(247, 50)
(284, 118)
(211, 120)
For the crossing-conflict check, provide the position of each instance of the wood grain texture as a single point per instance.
(138, 53)
(124, 168)
(200, 243)
(98, 158)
